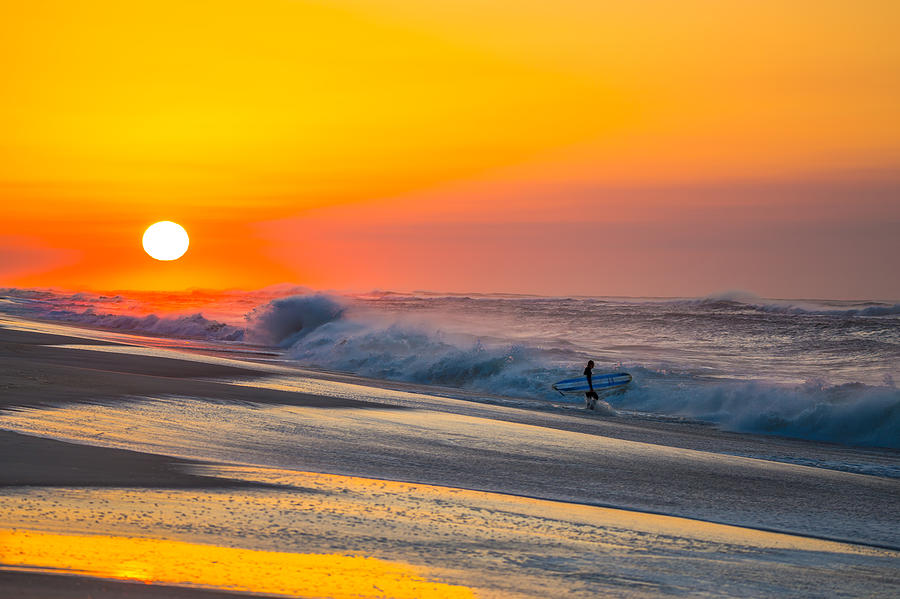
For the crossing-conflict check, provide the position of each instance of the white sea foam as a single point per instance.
(192, 326)
(323, 332)
(825, 308)
(283, 321)
(731, 359)
(853, 414)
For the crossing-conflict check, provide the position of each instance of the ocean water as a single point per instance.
(814, 369)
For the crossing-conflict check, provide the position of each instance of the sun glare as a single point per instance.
(166, 240)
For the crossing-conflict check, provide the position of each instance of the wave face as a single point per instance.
(337, 334)
(821, 370)
(284, 321)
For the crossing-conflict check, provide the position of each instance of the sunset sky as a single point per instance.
(568, 147)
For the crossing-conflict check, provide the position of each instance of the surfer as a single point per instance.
(590, 396)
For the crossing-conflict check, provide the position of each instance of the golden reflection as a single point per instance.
(134, 570)
(468, 509)
(179, 563)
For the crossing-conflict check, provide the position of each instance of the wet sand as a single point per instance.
(32, 461)
(493, 544)
(37, 369)
(31, 585)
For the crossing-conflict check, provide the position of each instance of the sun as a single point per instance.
(166, 240)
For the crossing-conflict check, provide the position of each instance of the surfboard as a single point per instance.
(602, 382)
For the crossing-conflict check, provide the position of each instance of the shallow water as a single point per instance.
(328, 535)
(553, 455)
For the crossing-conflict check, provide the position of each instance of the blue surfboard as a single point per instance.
(602, 382)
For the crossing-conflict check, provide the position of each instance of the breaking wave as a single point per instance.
(743, 299)
(323, 332)
(94, 311)
(851, 414)
(283, 321)
(192, 326)
(342, 334)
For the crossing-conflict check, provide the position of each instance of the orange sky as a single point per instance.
(477, 145)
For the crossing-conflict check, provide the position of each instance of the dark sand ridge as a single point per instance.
(29, 585)
(34, 373)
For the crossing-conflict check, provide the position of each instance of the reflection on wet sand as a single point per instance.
(190, 564)
(463, 508)
(308, 526)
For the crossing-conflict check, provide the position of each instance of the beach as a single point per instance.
(396, 299)
(186, 465)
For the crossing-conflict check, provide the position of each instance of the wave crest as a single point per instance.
(852, 414)
(418, 352)
(281, 322)
(745, 299)
(192, 326)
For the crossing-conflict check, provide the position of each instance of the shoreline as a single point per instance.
(678, 430)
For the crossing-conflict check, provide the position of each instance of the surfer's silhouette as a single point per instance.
(590, 397)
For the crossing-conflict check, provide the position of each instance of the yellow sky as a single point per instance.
(248, 98)
(115, 114)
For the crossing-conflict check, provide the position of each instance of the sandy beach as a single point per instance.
(214, 475)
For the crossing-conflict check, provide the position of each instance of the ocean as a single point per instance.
(814, 369)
